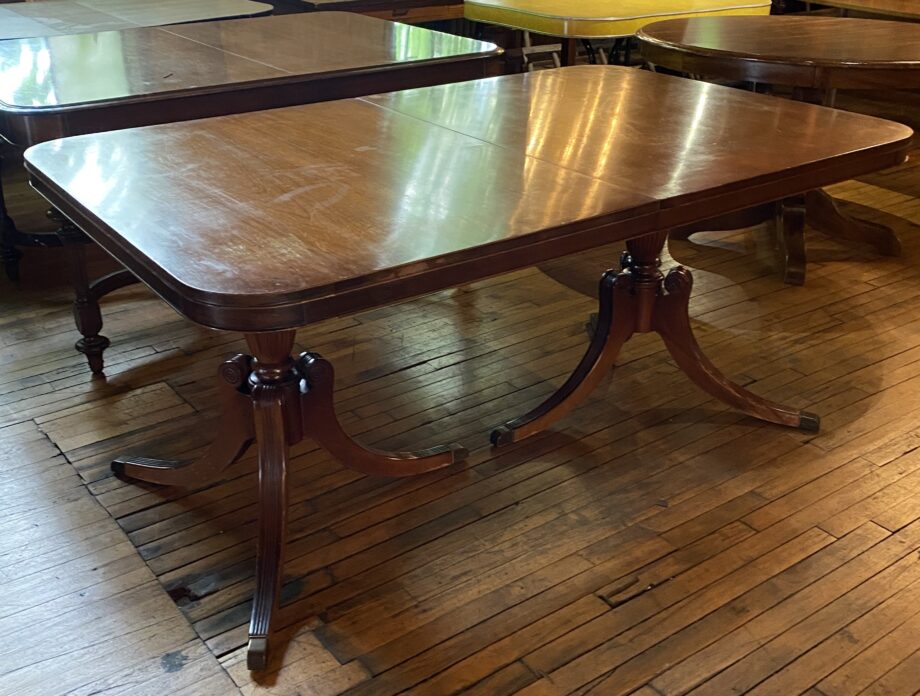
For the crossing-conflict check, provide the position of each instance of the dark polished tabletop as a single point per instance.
(60, 17)
(59, 85)
(802, 51)
(824, 41)
(273, 219)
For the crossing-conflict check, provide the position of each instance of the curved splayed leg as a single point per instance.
(672, 322)
(825, 215)
(233, 436)
(613, 327)
(321, 424)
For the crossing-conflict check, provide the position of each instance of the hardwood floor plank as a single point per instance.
(844, 644)
(732, 615)
(81, 612)
(898, 680)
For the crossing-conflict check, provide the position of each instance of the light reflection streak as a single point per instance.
(698, 118)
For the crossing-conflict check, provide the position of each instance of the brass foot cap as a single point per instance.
(257, 654)
(809, 422)
(502, 435)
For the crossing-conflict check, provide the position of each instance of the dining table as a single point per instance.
(21, 20)
(57, 86)
(265, 222)
(811, 57)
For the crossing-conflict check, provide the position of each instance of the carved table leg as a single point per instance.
(278, 401)
(824, 215)
(275, 397)
(234, 434)
(639, 300)
(86, 311)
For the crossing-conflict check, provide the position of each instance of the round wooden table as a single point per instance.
(814, 56)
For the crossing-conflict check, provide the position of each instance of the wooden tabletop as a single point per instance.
(894, 8)
(818, 52)
(64, 85)
(60, 17)
(272, 220)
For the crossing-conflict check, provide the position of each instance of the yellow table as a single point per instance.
(571, 20)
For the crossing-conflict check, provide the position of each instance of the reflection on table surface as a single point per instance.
(57, 71)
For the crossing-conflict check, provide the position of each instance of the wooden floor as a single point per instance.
(655, 543)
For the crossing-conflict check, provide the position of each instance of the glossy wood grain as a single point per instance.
(332, 42)
(281, 218)
(61, 17)
(812, 52)
(602, 122)
(47, 74)
(65, 85)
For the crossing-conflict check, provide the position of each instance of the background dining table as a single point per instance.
(811, 57)
(59, 86)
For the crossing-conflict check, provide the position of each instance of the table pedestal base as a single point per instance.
(277, 401)
(640, 299)
(820, 210)
(823, 214)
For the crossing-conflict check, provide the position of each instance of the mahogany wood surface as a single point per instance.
(289, 216)
(61, 17)
(142, 76)
(811, 52)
